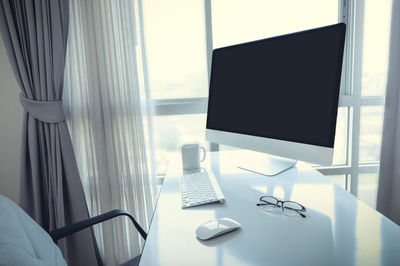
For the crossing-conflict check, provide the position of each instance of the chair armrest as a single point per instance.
(75, 227)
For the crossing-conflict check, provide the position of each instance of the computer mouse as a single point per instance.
(217, 227)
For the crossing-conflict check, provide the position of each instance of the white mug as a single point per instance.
(191, 156)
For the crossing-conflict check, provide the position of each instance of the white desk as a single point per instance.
(339, 229)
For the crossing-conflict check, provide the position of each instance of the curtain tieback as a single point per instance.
(45, 111)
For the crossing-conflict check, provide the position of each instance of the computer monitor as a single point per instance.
(278, 95)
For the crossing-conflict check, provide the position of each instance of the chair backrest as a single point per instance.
(22, 240)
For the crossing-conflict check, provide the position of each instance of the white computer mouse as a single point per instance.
(217, 227)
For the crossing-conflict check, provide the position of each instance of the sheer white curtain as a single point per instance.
(105, 102)
(388, 198)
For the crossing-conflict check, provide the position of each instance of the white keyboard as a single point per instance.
(200, 188)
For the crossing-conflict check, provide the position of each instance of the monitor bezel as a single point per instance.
(284, 148)
(294, 150)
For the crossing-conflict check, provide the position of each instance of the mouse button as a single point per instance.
(222, 226)
(210, 224)
(202, 231)
(227, 223)
(230, 222)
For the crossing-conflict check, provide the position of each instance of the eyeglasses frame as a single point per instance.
(303, 209)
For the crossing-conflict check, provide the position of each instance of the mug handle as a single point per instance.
(204, 154)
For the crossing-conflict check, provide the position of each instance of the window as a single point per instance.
(363, 91)
(237, 21)
(175, 48)
(180, 36)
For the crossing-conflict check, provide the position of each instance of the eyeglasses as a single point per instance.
(289, 207)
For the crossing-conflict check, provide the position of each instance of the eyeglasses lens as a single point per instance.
(269, 203)
(292, 208)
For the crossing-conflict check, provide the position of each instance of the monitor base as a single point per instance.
(269, 166)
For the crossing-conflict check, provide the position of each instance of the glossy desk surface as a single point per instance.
(338, 230)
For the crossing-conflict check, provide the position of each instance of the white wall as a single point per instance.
(10, 129)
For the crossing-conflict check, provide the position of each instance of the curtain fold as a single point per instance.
(35, 36)
(388, 198)
(106, 108)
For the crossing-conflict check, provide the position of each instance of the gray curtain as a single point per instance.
(388, 199)
(35, 36)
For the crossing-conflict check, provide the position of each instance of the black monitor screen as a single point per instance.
(285, 87)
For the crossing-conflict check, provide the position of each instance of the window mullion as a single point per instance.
(346, 169)
(209, 45)
(357, 37)
(209, 37)
(372, 101)
(343, 11)
(180, 106)
(346, 100)
(343, 16)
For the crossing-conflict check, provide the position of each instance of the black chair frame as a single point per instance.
(75, 227)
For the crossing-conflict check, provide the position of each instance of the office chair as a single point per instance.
(24, 242)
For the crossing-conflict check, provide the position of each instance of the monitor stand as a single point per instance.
(266, 164)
